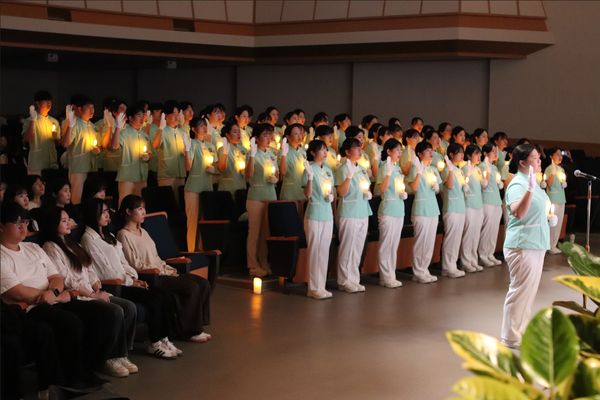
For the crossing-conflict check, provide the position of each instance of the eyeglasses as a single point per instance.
(21, 222)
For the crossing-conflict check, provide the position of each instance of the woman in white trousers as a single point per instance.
(424, 181)
(492, 207)
(353, 211)
(391, 212)
(556, 181)
(474, 210)
(318, 218)
(526, 242)
(453, 209)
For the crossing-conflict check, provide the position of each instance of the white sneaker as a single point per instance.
(159, 350)
(43, 395)
(432, 278)
(258, 272)
(478, 267)
(169, 345)
(131, 367)
(360, 288)
(113, 367)
(495, 260)
(201, 338)
(486, 263)
(319, 294)
(554, 251)
(348, 287)
(453, 274)
(393, 284)
(423, 279)
(468, 268)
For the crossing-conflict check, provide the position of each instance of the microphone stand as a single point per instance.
(589, 221)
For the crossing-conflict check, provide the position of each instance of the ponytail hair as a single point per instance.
(313, 147)
(391, 144)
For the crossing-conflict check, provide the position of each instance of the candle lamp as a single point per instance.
(544, 177)
(241, 165)
(365, 187)
(441, 165)
(95, 143)
(467, 180)
(273, 170)
(326, 189)
(339, 158)
(306, 146)
(53, 127)
(257, 286)
(498, 178)
(209, 159)
(561, 177)
(367, 164)
(219, 145)
(277, 138)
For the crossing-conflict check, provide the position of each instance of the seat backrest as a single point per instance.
(217, 206)
(77, 232)
(34, 237)
(240, 202)
(284, 221)
(158, 228)
(160, 198)
(14, 174)
(408, 205)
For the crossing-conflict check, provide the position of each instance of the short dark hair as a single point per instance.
(289, 129)
(42, 95)
(262, 128)
(391, 144)
(521, 152)
(410, 133)
(84, 101)
(135, 109)
(454, 148)
(348, 144)
(155, 106)
(422, 147)
(472, 149)
(185, 104)
(323, 130)
(169, 107)
(241, 109)
(114, 106)
(314, 146)
(499, 135)
(11, 212)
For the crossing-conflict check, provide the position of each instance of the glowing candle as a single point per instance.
(278, 145)
(219, 145)
(209, 159)
(544, 176)
(365, 187)
(400, 187)
(339, 158)
(144, 149)
(277, 139)
(327, 189)
(306, 146)
(484, 174)
(241, 165)
(552, 209)
(441, 165)
(561, 177)
(498, 178)
(467, 180)
(367, 164)
(257, 286)
(506, 162)
(95, 143)
(432, 179)
(273, 170)
(53, 128)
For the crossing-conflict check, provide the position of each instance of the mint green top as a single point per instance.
(501, 158)
(278, 134)
(425, 204)
(453, 199)
(556, 192)
(260, 188)
(504, 174)
(112, 158)
(331, 161)
(443, 147)
(318, 208)
(371, 151)
(404, 156)
(153, 164)
(473, 198)
(391, 203)
(341, 138)
(171, 156)
(186, 128)
(42, 149)
(199, 179)
(531, 232)
(232, 178)
(291, 188)
(215, 136)
(246, 136)
(491, 194)
(353, 205)
(437, 158)
(132, 142)
(79, 152)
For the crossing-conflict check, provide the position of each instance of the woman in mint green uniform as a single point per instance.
(341, 122)
(433, 138)
(556, 181)
(291, 165)
(318, 218)
(527, 239)
(353, 211)
(261, 170)
(424, 182)
(231, 160)
(492, 206)
(200, 162)
(333, 160)
(391, 212)
(410, 139)
(453, 209)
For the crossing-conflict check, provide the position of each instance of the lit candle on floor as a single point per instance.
(257, 286)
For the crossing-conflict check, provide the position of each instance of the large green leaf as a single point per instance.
(550, 347)
(590, 286)
(587, 378)
(573, 306)
(482, 388)
(588, 330)
(583, 262)
(589, 398)
(485, 350)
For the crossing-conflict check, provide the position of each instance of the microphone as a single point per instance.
(580, 174)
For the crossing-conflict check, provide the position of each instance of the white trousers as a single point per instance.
(505, 214)
(318, 239)
(192, 210)
(77, 181)
(390, 230)
(525, 267)
(352, 233)
(470, 237)
(174, 183)
(489, 231)
(424, 242)
(127, 188)
(256, 245)
(454, 225)
(559, 211)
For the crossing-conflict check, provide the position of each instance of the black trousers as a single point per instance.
(67, 331)
(104, 334)
(191, 295)
(154, 301)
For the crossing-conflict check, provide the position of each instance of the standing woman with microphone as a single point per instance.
(557, 182)
(424, 182)
(474, 210)
(453, 209)
(352, 182)
(391, 212)
(526, 242)
(318, 218)
(261, 170)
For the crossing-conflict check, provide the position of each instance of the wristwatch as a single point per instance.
(56, 292)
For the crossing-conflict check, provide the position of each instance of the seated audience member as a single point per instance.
(73, 265)
(36, 187)
(59, 194)
(192, 291)
(18, 194)
(29, 276)
(93, 188)
(3, 186)
(109, 262)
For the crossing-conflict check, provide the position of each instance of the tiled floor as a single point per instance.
(381, 344)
